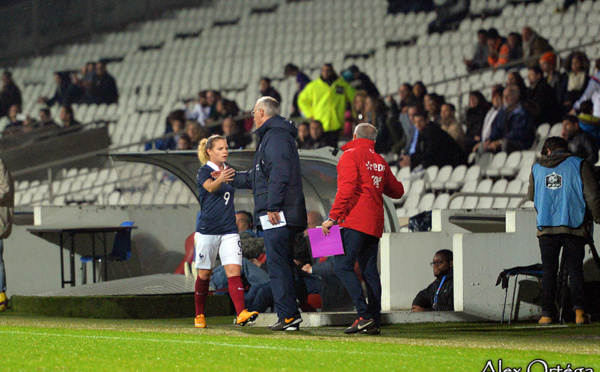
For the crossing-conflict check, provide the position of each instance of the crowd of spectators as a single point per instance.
(91, 85)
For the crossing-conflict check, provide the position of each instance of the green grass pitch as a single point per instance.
(48, 343)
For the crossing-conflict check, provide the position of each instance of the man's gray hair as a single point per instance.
(269, 104)
(366, 130)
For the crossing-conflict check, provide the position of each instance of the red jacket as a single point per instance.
(363, 177)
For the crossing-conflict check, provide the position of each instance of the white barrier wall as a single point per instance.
(478, 260)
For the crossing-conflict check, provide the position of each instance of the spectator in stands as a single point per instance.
(488, 121)
(565, 194)
(419, 91)
(480, 56)
(410, 131)
(398, 116)
(184, 142)
(449, 12)
(360, 81)
(301, 80)
(376, 115)
(243, 220)
(358, 113)
(577, 66)
(65, 92)
(533, 46)
(514, 78)
(588, 122)
(16, 118)
(236, 139)
(317, 140)
(512, 129)
(451, 126)
(195, 132)
(581, 144)
(266, 89)
(325, 100)
(433, 146)
(433, 106)
(201, 109)
(592, 92)
(410, 6)
(303, 138)
(541, 104)
(29, 125)
(67, 117)
(406, 97)
(226, 108)
(494, 42)
(510, 51)
(10, 94)
(439, 295)
(46, 120)
(174, 123)
(212, 97)
(104, 86)
(475, 116)
(556, 79)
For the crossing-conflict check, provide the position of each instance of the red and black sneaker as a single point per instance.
(360, 325)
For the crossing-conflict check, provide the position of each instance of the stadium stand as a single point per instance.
(229, 45)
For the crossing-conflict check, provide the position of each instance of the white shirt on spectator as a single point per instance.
(487, 123)
(199, 113)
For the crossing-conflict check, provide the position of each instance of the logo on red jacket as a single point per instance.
(376, 181)
(375, 167)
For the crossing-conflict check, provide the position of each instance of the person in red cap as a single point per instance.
(556, 79)
(363, 178)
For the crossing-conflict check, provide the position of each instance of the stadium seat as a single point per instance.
(460, 175)
(494, 167)
(511, 167)
(442, 177)
(441, 201)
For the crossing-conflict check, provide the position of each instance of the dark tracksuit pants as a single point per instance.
(550, 246)
(363, 248)
(279, 247)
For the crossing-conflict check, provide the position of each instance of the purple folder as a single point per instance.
(323, 246)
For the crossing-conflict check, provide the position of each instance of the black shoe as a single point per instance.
(360, 325)
(371, 331)
(287, 324)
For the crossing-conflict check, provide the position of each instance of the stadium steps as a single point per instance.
(321, 319)
(145, 297)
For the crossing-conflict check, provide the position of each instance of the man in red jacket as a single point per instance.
(363, 178)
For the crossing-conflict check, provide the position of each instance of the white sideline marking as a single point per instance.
(223, 344)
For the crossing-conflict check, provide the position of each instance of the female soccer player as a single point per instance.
(216, 231)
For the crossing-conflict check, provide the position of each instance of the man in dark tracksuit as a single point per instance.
(276, 182)
(439, 295)
(565, 194)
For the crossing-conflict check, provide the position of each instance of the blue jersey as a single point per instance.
(217, 213)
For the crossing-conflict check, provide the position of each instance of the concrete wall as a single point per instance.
(33, 263)
(478, 260)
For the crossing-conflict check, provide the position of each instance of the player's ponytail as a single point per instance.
(205, 145)
(202, 151)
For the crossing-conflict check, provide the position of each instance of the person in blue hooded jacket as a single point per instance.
(276, 182)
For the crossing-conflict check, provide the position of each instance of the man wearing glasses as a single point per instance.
(439, 295)
(276, 183)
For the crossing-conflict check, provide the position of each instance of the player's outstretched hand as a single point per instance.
(226, 175)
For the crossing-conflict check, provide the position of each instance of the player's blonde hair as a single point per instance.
(205, 145)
